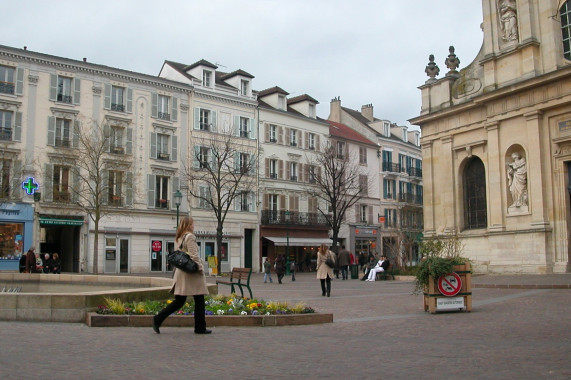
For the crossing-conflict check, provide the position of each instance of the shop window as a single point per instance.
(11, 240)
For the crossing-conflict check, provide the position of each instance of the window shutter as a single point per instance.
(105, 186)
(317, 142)
(387, 221)
(280, 132)
(174, 112)
(288, 170)
(300, 172)
(153, 145)
(17, 136)
(214, 125)
(75, 138)
(154, 105)
(129, 100)
(129, 189)
(267, 165)
(267, 133)
(129, 141)
(280, 169)
(48, 182)
(76, 91)
(236, 162)
(385, 185)
(53, 87)
(174, 147)
(236, 126)
(175, 187)
(51, 131)
(370, 216)
(195, 162)
(252, 163)
(394, 189)
(266, 201)
(282, 204)
(107, 102)
(196, 118)
(151, 190)
(238, 201)
(306, 139)
(19, 81)
(252, 201)
(107, 137)
(252, 128)
(357, 213)
(287, 136)
(16, 178)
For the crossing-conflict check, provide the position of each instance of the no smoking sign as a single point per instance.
(449, 284)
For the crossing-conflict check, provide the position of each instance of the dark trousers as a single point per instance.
(326, 282)
(344, 272)
(199, 310)
(293, 275)
(280, 276)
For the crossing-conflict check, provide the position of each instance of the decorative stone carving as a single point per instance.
(33, 79)
(432, 69)
(508, 19)
(452, 62)
(517, 182)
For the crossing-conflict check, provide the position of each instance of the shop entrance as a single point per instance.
(116, 254)
(63, 240)
(160, 248)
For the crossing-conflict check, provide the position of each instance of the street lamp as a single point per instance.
(287, 240)
(177, 202)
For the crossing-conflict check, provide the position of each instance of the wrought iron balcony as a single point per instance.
(7, 87)
(163, 156)
(63, 142)
(293, 218)
(410, 198)
(115, 200)
(6, 134)
(164, 116)
(415, 172)
(64, 98)
(391, 167)
(117, 107)
(118, 150)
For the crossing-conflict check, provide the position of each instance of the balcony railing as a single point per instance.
(115, 200)
(6, 134)
(163, 156)
(410, 198)
(293, 178)
(243, 133)
(7, 87)
(164, 116)
(117, 107)
(64, 98)
(415, 172)
(293, 218)
(274, 175)
(273, 140)
(118, 150)
(63, 142)
(161, 203)
(391, 167)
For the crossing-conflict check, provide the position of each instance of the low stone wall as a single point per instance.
(105, 320)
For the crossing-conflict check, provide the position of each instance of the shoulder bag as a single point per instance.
(182, 260)
(329, 261)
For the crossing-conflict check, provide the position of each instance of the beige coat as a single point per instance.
(189, 284)
(322, 269)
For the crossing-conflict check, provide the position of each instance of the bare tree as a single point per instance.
(337, 181)
(222, 172)
(398, 247)
(95, 177)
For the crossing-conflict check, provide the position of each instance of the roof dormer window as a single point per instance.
(281, 102)
(312, 111)
(207, 78)
(244, 87)
(386, 129)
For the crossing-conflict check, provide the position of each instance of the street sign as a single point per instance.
(449, 284)
(450, 303)
(156, 245)
(381, 219)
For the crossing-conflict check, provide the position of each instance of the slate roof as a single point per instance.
(273, 90)
(340, 130)
(238, 72)
(301, 98)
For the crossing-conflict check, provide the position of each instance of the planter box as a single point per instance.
(106, 320)
(434, 300)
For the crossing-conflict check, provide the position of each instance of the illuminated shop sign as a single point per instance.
(30, 185)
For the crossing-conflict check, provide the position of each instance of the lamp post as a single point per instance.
(177, 202)
(287, 240)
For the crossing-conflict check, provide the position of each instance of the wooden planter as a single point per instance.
(435, 300)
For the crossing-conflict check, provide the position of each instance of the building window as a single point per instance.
(64, 90)
(4, 178)
(204, 196)
(311, 173)
(207, 78)
(244, 87)
(363, 213)
(363, 185)
(162, 192)
(242, 163)
(203, 157)
(163, 107)
(362, 155)
(389, 188)
(115, 182)
(244, 126)
(245, 201)
(63, 133)
(163, 143)
(273, 169)
(281, 102)
(273, 133)
(565, 14)
(293, 171)
(312, 111)
(61, 184)
(204, 120)
(116, 140)
(117, 99)
(293, 137)
(7, 84)
(386, 129)
(475, 213)
(5, 126)
(390, 217)
(311, 141)
(340, 150)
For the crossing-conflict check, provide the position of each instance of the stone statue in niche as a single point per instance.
(431, 69)
(517, 182)
(508, 19)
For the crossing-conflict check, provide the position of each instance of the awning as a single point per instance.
(299, 242)
(61, 222)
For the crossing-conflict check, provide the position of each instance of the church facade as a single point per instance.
(496, 141)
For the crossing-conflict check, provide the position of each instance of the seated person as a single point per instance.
(56, 264)
(370, 265)
(381, 266)
(47, 263)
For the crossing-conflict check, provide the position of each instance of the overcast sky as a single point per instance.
(365, 51)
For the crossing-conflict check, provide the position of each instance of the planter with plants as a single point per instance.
(444, 275)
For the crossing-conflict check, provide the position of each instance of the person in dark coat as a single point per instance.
(22, 263)
(30, 261)
(280, 267)
(56, 264)
(343, 259)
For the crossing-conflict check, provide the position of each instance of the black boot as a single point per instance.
(323, 288)
(328, 288)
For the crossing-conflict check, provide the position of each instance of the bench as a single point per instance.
(386, 274)
(240, 277)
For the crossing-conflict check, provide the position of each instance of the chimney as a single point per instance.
(84, 59)
(335, 110)
(367, 112)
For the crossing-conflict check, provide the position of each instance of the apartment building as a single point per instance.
(47, 104)
(398, 215)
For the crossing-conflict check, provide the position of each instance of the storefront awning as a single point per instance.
(299, 242)
(60, 222)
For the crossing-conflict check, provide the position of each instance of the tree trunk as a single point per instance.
(219, 246)
(95, 247)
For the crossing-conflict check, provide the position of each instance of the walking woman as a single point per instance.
(324, 273)
(187, 284)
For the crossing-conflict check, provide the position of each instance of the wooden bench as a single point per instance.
(240, 277)
(386, 274)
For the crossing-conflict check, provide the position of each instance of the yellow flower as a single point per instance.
(169, 302)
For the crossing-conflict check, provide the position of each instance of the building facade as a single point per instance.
(496, 141)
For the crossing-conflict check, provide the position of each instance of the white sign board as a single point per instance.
(449, 303)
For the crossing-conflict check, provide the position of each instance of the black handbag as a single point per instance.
(182, 261)
(329, 262)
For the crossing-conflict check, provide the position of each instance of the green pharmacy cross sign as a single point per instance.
(30, 185)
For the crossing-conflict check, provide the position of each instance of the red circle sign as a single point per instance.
(157, 245)
(449, 284)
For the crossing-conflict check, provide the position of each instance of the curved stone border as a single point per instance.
(106, 320)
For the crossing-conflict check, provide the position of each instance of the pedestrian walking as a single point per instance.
(343, 260)
(187, 284)
(292, 270)
(280, 267)
(324, 272)
(267, 271)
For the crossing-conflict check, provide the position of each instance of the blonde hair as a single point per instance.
(186, 225)
(323, 248)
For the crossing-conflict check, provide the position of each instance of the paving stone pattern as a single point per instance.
(380, 331)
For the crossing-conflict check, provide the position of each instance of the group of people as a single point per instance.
(32, 263)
